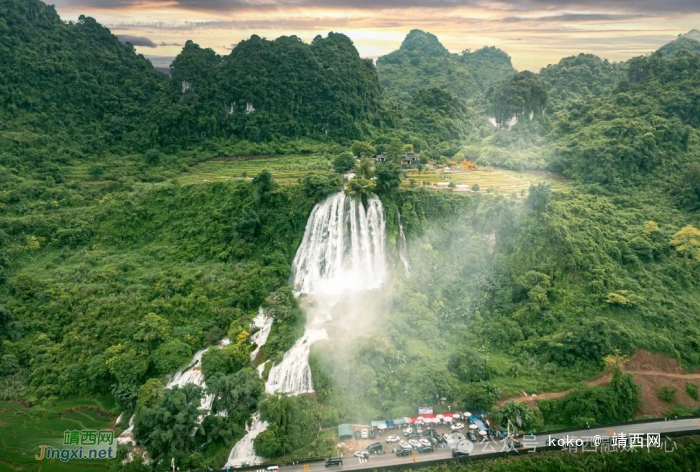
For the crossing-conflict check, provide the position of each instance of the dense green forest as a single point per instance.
(112, 274)
(423, 62)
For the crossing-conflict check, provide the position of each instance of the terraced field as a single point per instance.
(22, 431)
(289, 169)
(285, 169)
(495, 180)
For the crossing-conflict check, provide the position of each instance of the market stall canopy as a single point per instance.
(345, 431)
(377, 424)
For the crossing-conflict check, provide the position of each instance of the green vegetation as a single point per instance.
(524, 96)
(322, 88)
(125, 249)
(422, 62)
(689, 42)
(667, 393)
(23, 430)
(574, 81)
(692, 390)
(585, 405)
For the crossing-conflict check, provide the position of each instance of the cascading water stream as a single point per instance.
(192, 374)
(342, 253)
(403, 247)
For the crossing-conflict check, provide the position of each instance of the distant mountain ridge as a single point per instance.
(266, 89)
(423, 62)
(689, 42)
(68, 77)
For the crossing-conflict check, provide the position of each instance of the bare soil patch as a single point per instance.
(651, 372)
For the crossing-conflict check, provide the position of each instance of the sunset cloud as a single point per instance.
(534, 32)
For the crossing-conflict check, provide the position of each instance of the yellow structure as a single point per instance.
(468, 165)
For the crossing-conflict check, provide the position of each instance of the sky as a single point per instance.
(534, 33)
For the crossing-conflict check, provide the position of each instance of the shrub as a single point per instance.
(666, 393)
(692, 390)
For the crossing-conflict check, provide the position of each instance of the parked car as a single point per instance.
(365, 434)
(403, 452)
(362, 454)
(334, 462)
(457, 426)
(392, 439)
(413, 436)
(419, 430)
(407, 431)
(414, 443)
(433, 441)
(375, 448)
(456, 453)
(425, 442)
(404, 445)
(273, 468)
(425, 449)
(430, 432)
(471, 436)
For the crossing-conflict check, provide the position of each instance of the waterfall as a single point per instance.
(403, 247)
(192, 374)
(243, 453)
(264, 325)
(342, 248)
(342, 253)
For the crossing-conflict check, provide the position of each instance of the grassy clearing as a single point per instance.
(22, 431)
(488, 179)
(285, 169)
(289, 169)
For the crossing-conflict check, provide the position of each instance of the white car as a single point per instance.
(414, 443)
(404, 445)
(425, 442)
(362, 454)
(393, 439)
(419, 430)
(457, 426)
(407, 431)
(365, 434)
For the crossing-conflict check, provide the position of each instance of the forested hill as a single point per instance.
(685, 42)
(266, 89)
(644, 132)
(72, 79)
(423, 62)
(574, 80)
(76, 83)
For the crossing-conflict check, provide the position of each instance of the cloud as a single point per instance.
(657, 6)
(576, 17)
(137, 40)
